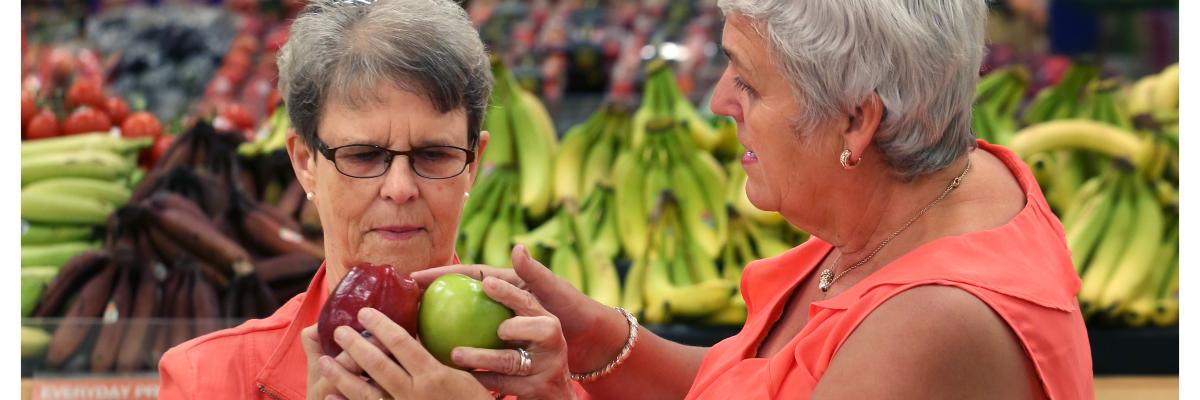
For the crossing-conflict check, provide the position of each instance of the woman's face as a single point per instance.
(400, 218)
(788, 170)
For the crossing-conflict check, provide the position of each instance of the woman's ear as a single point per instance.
(863, 124)
(303, 161)
(473, 169)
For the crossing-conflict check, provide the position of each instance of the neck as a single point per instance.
(878, 213)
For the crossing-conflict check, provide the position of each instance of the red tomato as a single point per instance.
(117, 109)
(238, 116)
(86, 119)
(28, 107)
(42, 125)
(244, 43)
(273, 100)
(86, 92)
(141, 124)
(149, 157)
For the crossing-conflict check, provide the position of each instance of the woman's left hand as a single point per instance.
(414, 374)
(540, 334)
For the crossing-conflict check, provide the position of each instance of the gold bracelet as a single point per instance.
(621, 356)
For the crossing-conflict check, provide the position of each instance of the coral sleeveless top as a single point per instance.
(1022, 270)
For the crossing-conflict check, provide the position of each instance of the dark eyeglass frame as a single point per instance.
(330, 153)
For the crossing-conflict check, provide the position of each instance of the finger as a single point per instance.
(542, 332)
(373, 360)
(396, 340)
(554, 292)
(520, 301)
(510, 385)
(350, 385)
(335, 397)
(477, 271)
(502, 361)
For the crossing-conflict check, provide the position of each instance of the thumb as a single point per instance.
(311, 342)
(553, 292)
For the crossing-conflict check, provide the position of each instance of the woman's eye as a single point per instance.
(363, 156)
(741, 85)
(432, 155)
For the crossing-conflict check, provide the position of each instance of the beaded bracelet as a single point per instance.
(621, 356)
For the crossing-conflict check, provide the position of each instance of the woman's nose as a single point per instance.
(399, 182)
(724, 99)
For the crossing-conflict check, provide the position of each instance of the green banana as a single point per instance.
(86, 143)
(106, 191)
(33, 283)
(603, 283)
(53, 255)
(50, 234)
(103, 165)
(497, 244)
(566, 264)
(55, 209)
(632, 295)
(1088, 227)
(733, 314)
(1112, 246)
(1137, 261)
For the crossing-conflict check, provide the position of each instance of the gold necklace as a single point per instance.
(827, 276)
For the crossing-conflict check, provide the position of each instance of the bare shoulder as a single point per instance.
(931, 342)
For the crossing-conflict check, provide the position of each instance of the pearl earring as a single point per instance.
(467, 194)
(311, 195)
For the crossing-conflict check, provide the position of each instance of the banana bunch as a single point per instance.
(1125, 247)
(1157, 96)
(70, 186)
(676, 279)
(998, 98)
(668, 161)
(1060, 101)
(584, 244)
(491, 218)
(662, 99)
(523, 139)
(588, 152)
(271, 137)
(1106, 175)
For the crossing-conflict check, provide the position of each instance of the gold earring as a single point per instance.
(845, 160)
(310, 195)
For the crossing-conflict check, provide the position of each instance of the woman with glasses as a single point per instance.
(387, 98)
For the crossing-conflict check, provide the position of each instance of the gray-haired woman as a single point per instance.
(387, 98)
(936, 268)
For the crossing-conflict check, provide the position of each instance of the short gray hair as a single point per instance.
(347, 49)
(921, 56)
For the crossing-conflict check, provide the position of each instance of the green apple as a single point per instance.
(455, 312)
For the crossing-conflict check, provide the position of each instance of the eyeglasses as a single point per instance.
(370, 161)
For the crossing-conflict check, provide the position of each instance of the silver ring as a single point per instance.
(526, 362)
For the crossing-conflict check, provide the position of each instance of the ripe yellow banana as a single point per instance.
(733, 314)
(632, 295)
(631, 210)
(1088, 227)
(541, 118)
(1080, 134)
(700, 299)
(566, 264)
(568, 164)
(603, 283)
(1164, 95)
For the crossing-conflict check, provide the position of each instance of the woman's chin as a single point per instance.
(760, 198)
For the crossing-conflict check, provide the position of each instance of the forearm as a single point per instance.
(657, 368)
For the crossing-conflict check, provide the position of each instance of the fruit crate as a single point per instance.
(79, 361)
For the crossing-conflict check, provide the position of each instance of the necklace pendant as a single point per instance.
(826, 280)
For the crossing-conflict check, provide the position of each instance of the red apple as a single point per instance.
(377, 286)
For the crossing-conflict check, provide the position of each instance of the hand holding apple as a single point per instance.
(455, 312)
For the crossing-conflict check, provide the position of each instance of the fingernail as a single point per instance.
(324, 363)
(367, 315)
(457, 355)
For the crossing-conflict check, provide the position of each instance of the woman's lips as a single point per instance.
(749, 158)
(398, 232)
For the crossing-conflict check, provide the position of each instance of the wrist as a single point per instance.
(601, 345)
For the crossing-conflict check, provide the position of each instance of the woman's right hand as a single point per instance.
(593, 331)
